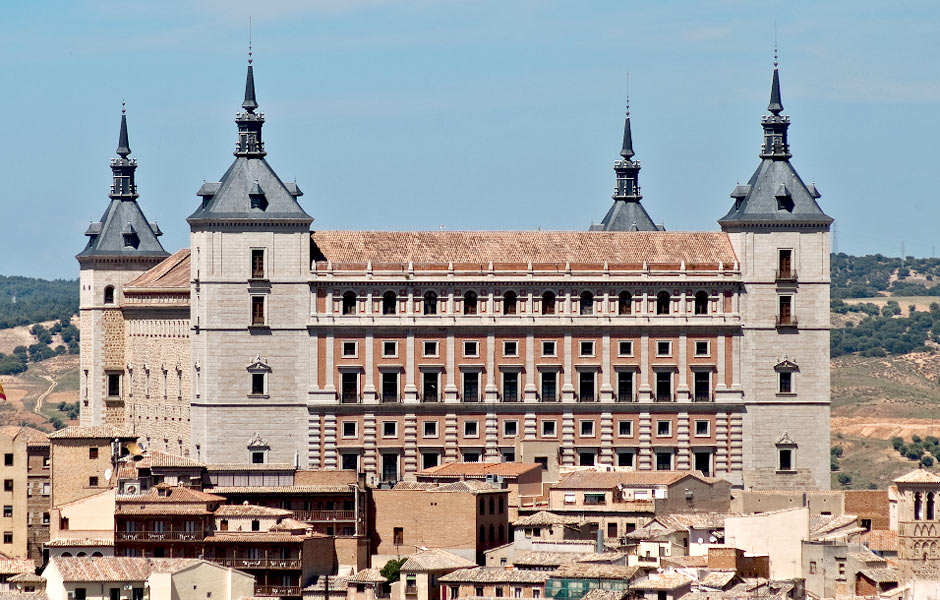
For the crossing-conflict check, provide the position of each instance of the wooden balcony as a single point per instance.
(159, 536)
(278, 590)
(293, 564)
(316, 516)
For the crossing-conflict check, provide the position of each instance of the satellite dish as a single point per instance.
(700, 540)
(713, 539)
(107, 474)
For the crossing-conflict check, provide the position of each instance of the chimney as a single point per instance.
(600, 539)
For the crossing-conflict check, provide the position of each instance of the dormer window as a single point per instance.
(256, 196)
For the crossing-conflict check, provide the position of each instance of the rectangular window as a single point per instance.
(509, 455)
(350, 461)
(510, 428)
(430, 429)
(349, 387)
(664, 386)
(586, 459)
(663, 348)
(114, 594)
(471, 386)
(785, 462)
(349, 429)
(257, 457)
(548, 348)
(664, 461)
(389, 349)
(93, 482)
(703, 463)
(812, 567)
(471, 456)
(430, 459)
(429, 386)
(510, 348)
(430, 349)
(785, 316)
(398, 536)
(471, 348)
(549, 386)
(702, 428)
(624, 386)
(785, 264)
(257, 384)
(587, 428)
(785, 379)
(257, 310)
(93, 453)
(257, 263)
(586, 386)
(663, 428)
(471, 429)
(543, 461)
(586, 348)
(114, 384)
(7, 485)
(625, 348)
(548, 429)
(624, 459)
(389, 429)
(701, 386)
(625, 428)
(350, 349)
(612, 529)
(510, 386)
(701, 348)
(8, 460)
(8, 511)
(389, 386)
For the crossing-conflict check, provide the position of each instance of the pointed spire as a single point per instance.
(124, 147)
(775, 106)
(249, 124)
(250, 103)
(627, 150)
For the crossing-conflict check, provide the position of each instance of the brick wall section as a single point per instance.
(869, 504)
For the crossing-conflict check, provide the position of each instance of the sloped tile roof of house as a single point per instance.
(545, 518)
(480, 469)
(580, 570)
(881, 540)
(435, 559)
(554, 249)
(250, 510)
(92, 432)
(172, 273)
(597, 480)
(662, 581)
(113, 568)
(494, 575)
(367, 576)
(32, 437)
(12, 566)
(918, 476)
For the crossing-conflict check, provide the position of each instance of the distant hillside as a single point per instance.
(874, 275)
(25, 300)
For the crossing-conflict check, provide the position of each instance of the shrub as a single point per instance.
(926, 461)
(845, 479)
(916, 439)
(836, 451)
(833, 463)
(897, 442)
(391, 570)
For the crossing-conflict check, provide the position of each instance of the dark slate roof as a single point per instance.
(106, 238)
(626, 216)
(775, 193)
(229, 199)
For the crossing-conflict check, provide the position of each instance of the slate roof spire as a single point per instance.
(123, 230)
(627, 214)
(250, 103)
(249, 124)
(775, 194)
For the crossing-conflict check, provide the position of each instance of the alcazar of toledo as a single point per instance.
(389, 352)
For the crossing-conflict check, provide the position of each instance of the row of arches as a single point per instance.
(924, 506)
(510, 303)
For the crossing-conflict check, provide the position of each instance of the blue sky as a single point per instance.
(468, 115)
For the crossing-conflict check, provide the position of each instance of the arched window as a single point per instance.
(917, 507)
(509, 303)
(502, 534)
(492, 534)
(482, 534)
(470, 303)
(389, 303)
(430, 303)
(109, 294)
(66, 554)
(548, 303)
(624, 303)
(930, 506)
(587, 303)
(662, 303)
(96, 555)
(349, 303)
(701, 303)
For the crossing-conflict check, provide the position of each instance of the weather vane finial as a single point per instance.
(628, 93)
(123, 109)
(249, 40)
(775, 45)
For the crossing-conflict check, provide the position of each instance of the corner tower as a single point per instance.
(250, 307)
(627, 214)
(121, 246)
(781, 237)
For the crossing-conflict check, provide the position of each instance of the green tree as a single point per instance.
(845, 479)
(391, 570)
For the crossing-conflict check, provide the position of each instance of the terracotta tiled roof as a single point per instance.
(662, 581)
(466, 486)
(367, 576)
(435, 560)
(250, 467)
(545, 558)
(599, 594)
(92, 432)
(291, 525)
(579, 570)
(18, 595)
(918, 476)
(250, 510)
(27, 578)
(882, 575)
(696, 562)
(281, 489)
(318, 587)
(171, 273)
(11, 566)
(176, 493)
(717, 579)
(32, 437)
(881, 540)
(159, 458)
(159, 509)
(704, 520)
(541, 248)
(544, 518)
(493, 575)
(605, 480)
(480, 469)
(112, 568)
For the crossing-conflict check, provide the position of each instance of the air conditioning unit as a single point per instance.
(132, 489)
(71, 593)
(128, 587)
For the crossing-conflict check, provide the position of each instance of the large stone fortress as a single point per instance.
(390, 352)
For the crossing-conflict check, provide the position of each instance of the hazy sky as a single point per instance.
(468, 115)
